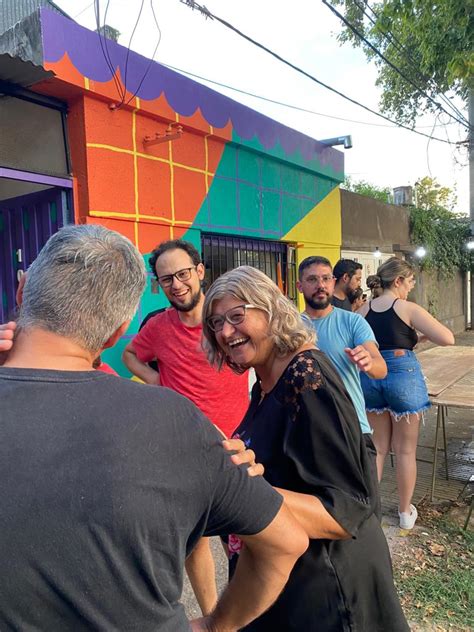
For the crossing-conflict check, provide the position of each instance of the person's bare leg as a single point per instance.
(382, 437)
(201, 571)
(404, 442)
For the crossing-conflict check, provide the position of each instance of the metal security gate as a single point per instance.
(26, 223)
(225, 252)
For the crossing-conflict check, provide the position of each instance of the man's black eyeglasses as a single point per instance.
(182, 275)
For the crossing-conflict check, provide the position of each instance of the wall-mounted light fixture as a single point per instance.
(420, 252)
(377, 254)
(172, 132)
(338, 140)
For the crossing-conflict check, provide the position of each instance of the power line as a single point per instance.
(401, 48)
(118, 87)
(152, 57)
(387, 61)
(124, 78)
(83, 10)
(288, 105)
(204, 11)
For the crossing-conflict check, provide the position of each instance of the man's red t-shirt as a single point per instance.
(222, 396)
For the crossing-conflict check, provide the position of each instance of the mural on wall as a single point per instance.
(233, 171)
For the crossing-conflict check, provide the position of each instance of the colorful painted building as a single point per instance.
(170, 159)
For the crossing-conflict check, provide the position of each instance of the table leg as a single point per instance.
(435, 455)
(443, 420)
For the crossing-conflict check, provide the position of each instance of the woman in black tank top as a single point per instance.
(396, 403)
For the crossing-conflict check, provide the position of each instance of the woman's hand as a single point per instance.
(243, 455)
(204, 624)
(7, 333)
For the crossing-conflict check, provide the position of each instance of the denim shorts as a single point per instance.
(403, 392)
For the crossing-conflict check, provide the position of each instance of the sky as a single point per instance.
(305, 33)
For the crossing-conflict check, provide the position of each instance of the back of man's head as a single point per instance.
(174, 244)
(346, 266)
(85, 283)
(312, 261)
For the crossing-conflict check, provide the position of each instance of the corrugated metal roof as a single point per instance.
(13, 11)
(22, 73)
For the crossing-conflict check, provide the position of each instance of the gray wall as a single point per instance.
(367, 223)
(444, 298)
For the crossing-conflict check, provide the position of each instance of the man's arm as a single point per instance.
(368, 359)
(138, 368)
(265, 563)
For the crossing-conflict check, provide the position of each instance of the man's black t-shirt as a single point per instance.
(105, 487)
(342, 303)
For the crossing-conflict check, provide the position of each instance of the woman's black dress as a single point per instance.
(307, 435)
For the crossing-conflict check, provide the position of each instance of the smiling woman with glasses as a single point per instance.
(303, 428)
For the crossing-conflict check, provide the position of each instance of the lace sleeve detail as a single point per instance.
(303, 374)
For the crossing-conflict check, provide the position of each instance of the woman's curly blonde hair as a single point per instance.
(251, 286)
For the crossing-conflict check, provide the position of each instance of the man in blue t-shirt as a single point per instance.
(345, 337)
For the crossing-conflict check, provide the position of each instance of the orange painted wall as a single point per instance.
(152, 192)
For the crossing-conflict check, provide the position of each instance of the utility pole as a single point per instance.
(471, 192)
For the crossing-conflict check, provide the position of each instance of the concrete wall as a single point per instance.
(444, 298)
(367, 223)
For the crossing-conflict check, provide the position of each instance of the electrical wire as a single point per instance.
(288, 105)
(153, 56)
(204, 11)
(388, 35)
(356, 32)
(107, 60)
(83, 10)
(128, 55)
(107, 52)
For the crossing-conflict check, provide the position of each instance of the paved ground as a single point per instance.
(460, 459)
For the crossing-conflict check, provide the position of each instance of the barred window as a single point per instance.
(225, 252)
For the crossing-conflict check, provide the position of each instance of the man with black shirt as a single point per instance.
(348, 275)
(107, 484)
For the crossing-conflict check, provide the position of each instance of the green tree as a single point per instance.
(431, 195)
(431, 43)
(383, 194)
(434, 225)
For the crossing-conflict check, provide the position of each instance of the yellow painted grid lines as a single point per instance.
(137, 216)
(135, 174)
(140, 154)
(170, 156)
(132, 217)
(206, 153)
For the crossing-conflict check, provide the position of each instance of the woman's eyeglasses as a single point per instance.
(233, 316)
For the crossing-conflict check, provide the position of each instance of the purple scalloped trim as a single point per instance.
(184, 95)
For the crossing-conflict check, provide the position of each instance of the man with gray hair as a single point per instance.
(106, 485)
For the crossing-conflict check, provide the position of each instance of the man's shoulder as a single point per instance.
(345, 315)
(158, 316)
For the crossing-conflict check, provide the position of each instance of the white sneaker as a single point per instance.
(408, 519)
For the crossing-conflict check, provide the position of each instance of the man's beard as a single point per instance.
(351, 294)
(318, 303)
(187, 307)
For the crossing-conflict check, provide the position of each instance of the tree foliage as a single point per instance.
(431, 43)
(362, 187)
(444, 234)
(430, 195)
